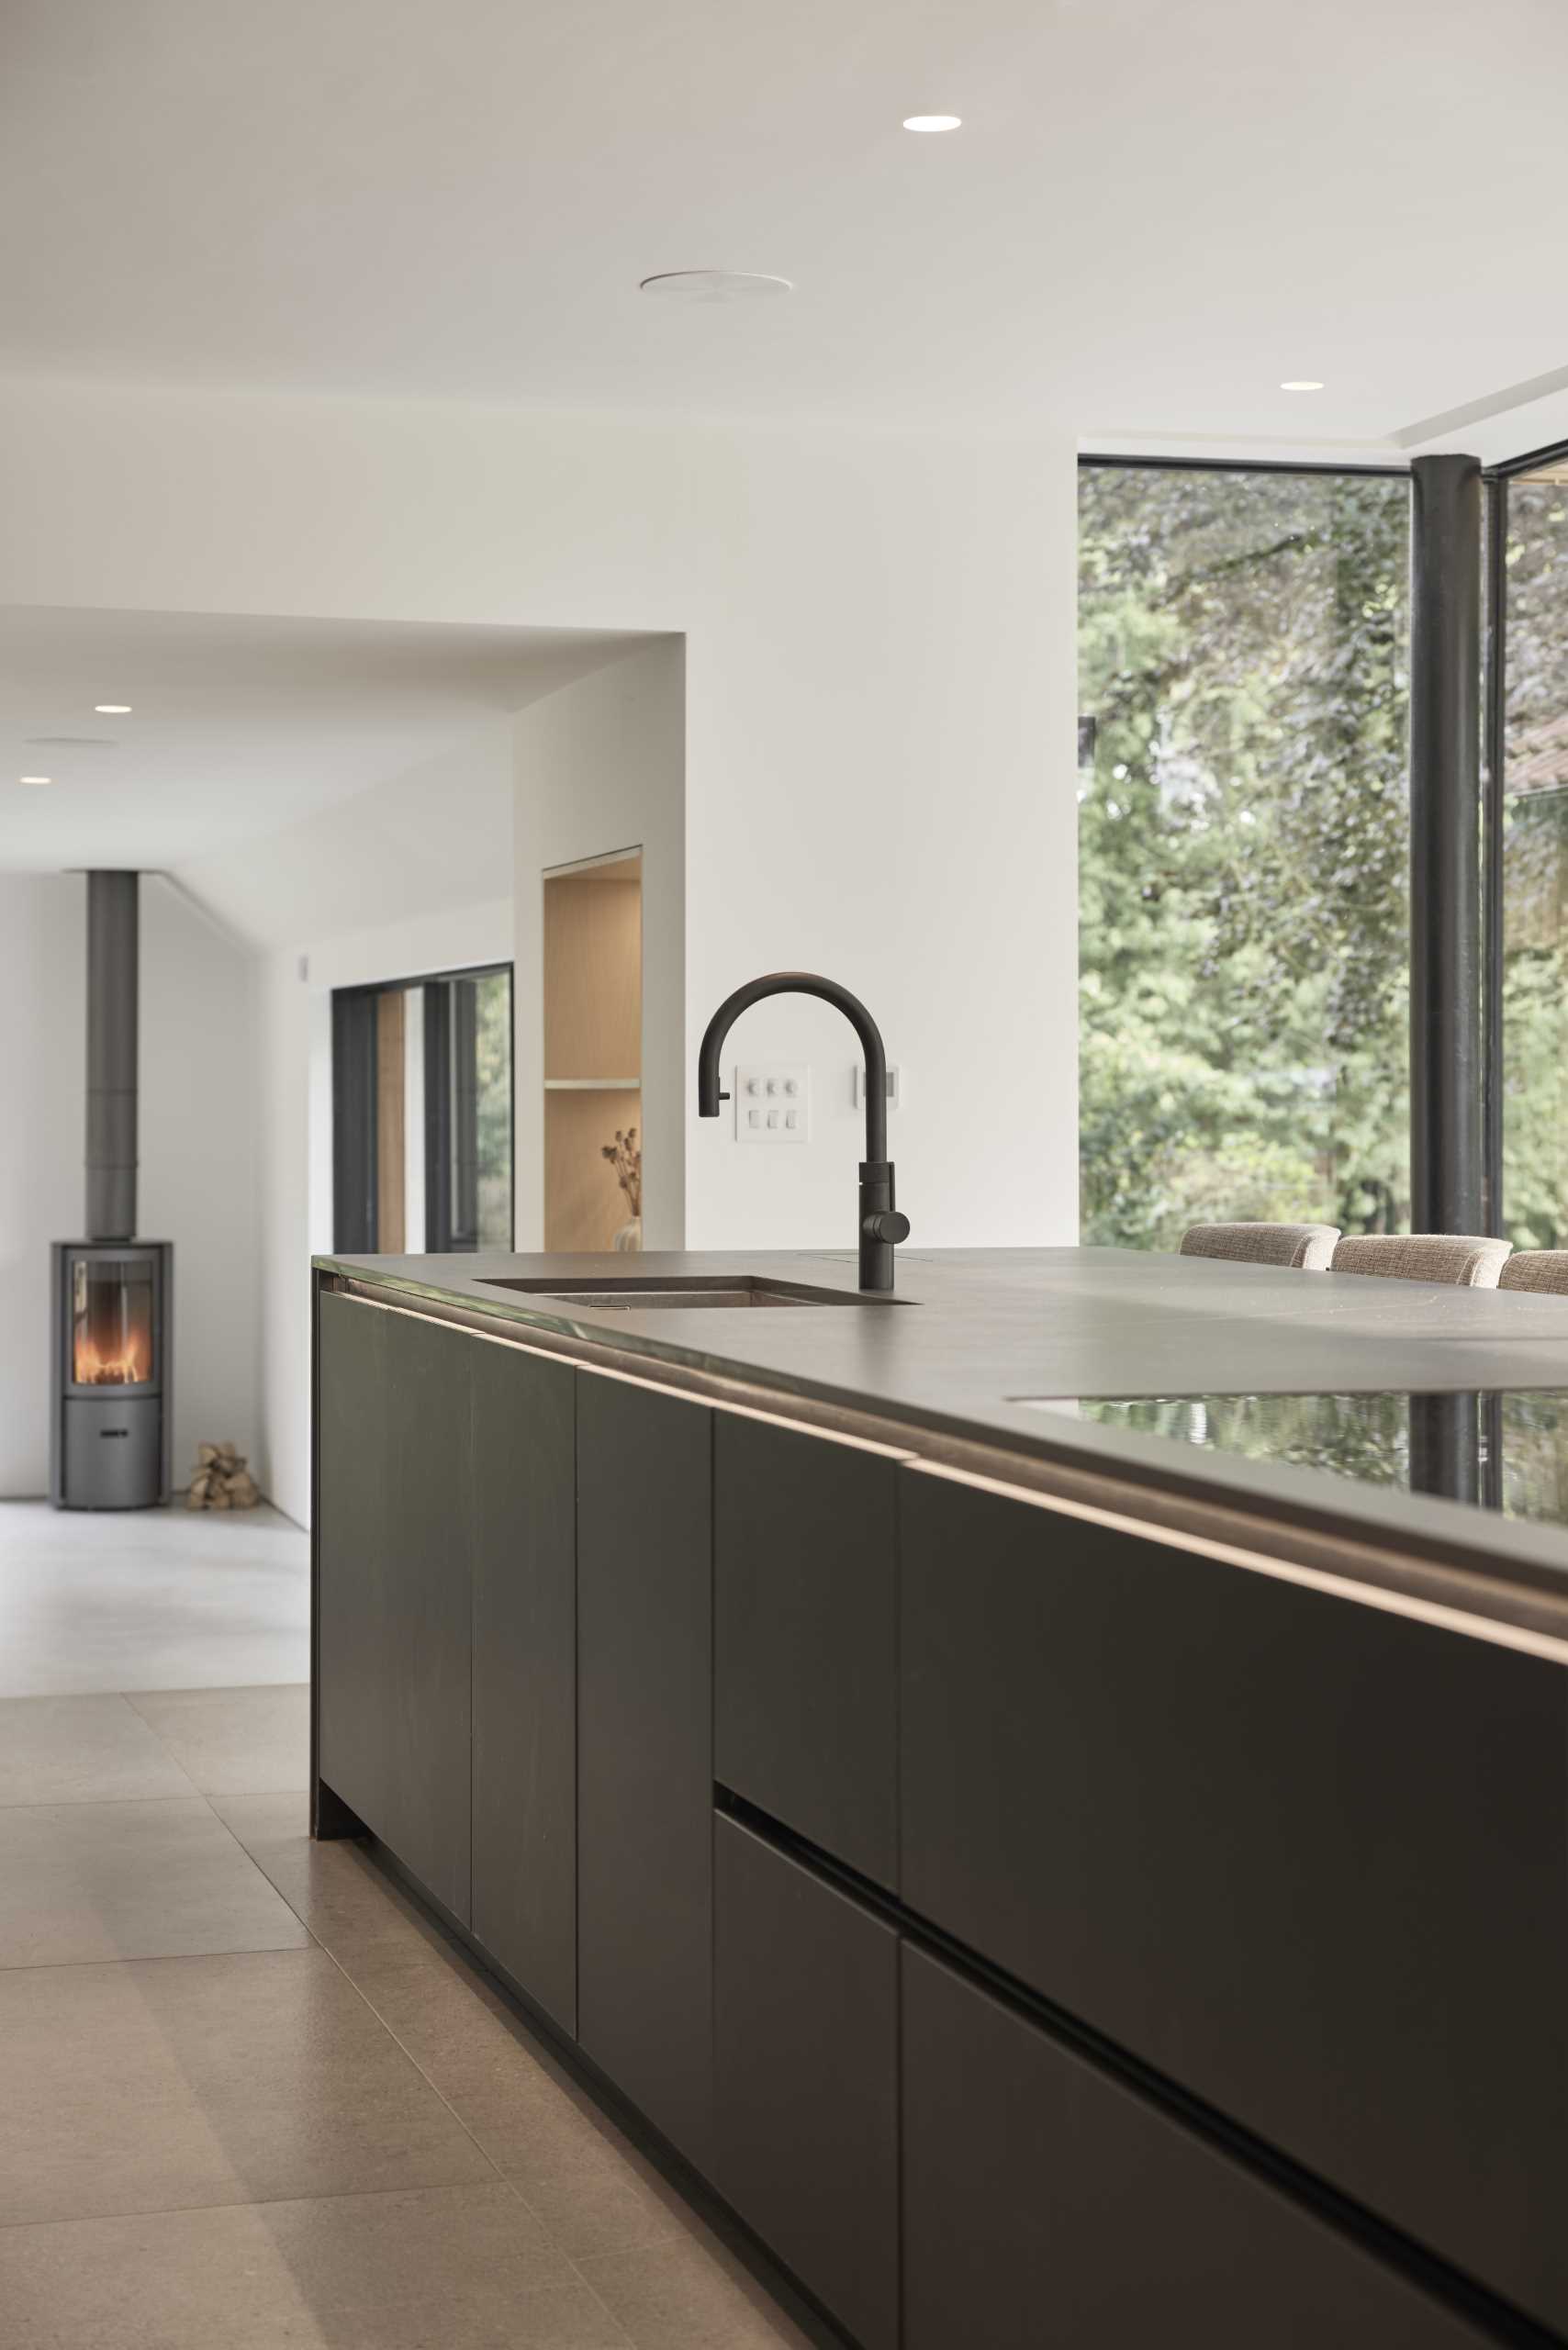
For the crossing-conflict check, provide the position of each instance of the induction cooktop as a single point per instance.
(1505, 1449)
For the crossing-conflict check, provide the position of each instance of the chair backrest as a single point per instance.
(1307, 1246)
(1466, 1260)
(1539, 1268)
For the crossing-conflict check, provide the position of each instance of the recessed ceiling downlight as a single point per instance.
(714, 285)
(933, 123)
(35, 779)
(111, 708)
(1300, 384)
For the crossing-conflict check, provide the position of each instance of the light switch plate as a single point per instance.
(773, 1102)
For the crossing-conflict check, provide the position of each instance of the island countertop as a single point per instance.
(975, 1342)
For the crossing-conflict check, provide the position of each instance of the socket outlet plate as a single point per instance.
(895, 1086)
(773, 1102)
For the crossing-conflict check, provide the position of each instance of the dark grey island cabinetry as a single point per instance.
(1307, 1858)
(445, 1612)
(805, 1610)
(1028, 1903)
(394, 1637)
(1046, 2201)
(521, 1515)
(645, 1786)
(806, 2075)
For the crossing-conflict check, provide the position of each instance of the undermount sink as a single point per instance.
(651, 1296)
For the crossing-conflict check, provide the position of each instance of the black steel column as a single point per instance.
(113, 964)
(355, 1159)
(438, 1115)
(1494, 765)
(1445, 845)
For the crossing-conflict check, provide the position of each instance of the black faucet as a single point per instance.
(882, 1227)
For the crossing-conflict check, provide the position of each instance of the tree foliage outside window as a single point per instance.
(1244, 856)
(1535, 869)
(492, 1050)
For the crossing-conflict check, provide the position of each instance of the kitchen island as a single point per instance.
(1052, 1868)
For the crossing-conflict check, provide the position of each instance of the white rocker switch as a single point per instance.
(773, 1102)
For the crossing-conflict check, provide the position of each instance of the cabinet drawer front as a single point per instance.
(645, 1760)
(1308, 1859)
(1045, 2202)
(395, 1567)
(805, 2078)
(805, 1628)
(523, 1505)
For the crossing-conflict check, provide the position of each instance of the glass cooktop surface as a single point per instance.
(1503, 1448)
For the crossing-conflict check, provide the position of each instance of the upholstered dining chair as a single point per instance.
(1538, 1268)
(1308, 1245)
(1468, 1261)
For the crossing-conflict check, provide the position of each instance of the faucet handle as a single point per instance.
(886, 1224)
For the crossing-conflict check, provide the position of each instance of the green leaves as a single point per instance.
(1243, 849)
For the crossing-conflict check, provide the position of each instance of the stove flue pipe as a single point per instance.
(113, 959)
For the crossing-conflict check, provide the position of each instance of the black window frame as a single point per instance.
(355, 1142)
(1493, 794)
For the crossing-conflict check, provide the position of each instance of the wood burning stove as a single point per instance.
(112, 1295)
(112, 1359)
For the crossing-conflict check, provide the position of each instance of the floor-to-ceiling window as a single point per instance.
(1244, 856)
(1532, 835)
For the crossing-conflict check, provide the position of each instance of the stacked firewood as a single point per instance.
(221, 1480)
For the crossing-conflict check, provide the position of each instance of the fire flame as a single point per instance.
(127, 1368)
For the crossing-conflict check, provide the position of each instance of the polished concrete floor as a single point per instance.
(149, 1599)
(251, 2095)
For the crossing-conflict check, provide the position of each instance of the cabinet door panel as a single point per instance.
(394, 1552)
(351, 1528)
(805, 1630)
(1043, 2202)
(646, 1766)
(1306, 1857)
(805, 2078)
(525, 1672)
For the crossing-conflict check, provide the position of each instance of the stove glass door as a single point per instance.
(111, 1322)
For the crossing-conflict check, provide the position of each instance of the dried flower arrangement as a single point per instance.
(625, 1154)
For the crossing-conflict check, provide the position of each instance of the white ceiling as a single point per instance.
(239, 727)
(1156, 209)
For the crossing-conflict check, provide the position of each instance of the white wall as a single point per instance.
(402, 849)
(198, 1186)
(601, 765)
(412, 875)
(42, 1096)
(879, 710)
(295, 1071)
(197, 1181)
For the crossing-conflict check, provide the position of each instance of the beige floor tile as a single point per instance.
(85, 1881)
(81, 1749)
(169, 2082)
(234, 1741)
(348, 1903)
(587, 2184)
(591, 2197)
(592, 2188)
(464, 2268)
(678, 2296)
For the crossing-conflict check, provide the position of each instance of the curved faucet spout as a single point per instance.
(799, 983)
(881, 1224)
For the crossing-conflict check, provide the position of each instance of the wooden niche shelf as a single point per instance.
(593, 1043)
